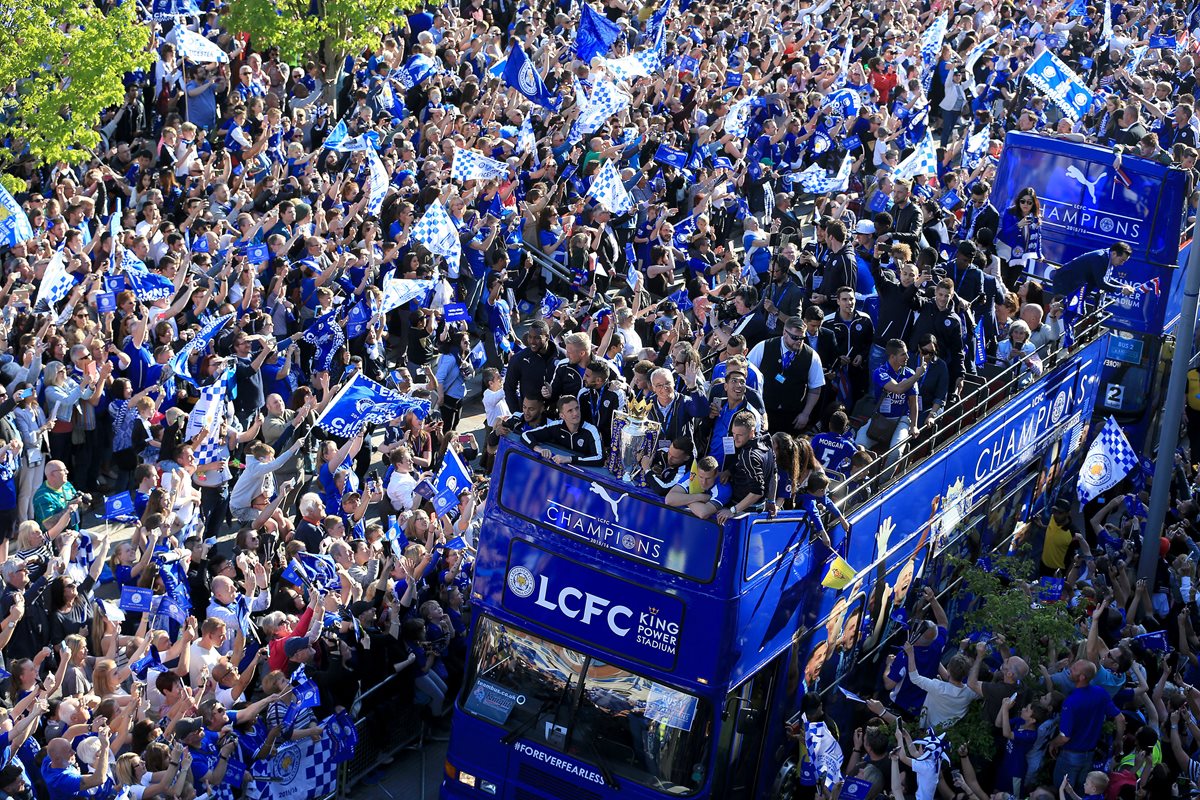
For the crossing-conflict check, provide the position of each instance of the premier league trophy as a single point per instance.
(633, 438)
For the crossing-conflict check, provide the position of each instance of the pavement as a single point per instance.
(412, 776)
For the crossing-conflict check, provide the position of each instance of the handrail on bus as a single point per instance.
(969, 410)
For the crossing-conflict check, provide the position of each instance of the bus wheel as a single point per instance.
(787, 781)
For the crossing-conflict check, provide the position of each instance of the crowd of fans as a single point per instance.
(784, 339)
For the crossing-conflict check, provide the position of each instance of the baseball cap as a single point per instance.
(865, 226)
(187, 726)
(295, 644)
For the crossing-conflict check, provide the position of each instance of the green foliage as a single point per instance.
(1010, 608)
(67, 60)
(13, 184)
(339, 28)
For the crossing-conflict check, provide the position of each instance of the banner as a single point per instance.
(1061, 86)
(362, 401)
(301, 770)
(195, 47)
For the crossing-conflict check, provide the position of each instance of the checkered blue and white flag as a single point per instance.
(737, 119)
(436, 230)
(931, 48)
(1053, 78)
(824, 752)
(56, 281)
(608, 190)
(208, 413)
(1108, 461)
(922, 161)
(976, 147)
(607, 99)
(472, 166)
(815, 180)
(301, 770)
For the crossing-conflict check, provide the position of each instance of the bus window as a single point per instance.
(621, 722)
(644, 731)
(519, 677)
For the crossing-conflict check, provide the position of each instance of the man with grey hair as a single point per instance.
(676, 412)
(310, 529)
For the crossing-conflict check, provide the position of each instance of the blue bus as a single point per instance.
(1088, 202)
(621, 648)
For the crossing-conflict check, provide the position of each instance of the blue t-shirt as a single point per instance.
(908, 695)
(834, 451)
(892, 404)
(61, 784)
(1083, 715)
(1016, 753)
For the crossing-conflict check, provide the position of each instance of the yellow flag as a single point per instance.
(839, 575)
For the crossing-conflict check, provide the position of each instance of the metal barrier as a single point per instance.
(990, 392)
(382, 734)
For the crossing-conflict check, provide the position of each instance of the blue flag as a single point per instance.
(135, 599)
(356, 321)
(595, 36)
(733, 80)
(119, 505)
(320, 569)
(257, 254)
(980, 351)
(671, 157)
(520, 74)
(198, 344)
(1051, 590)
(453, 478)
(1162, 41)
(681, 300)
(361, 402)
(169, 9)
(144, 663)
(1155, 641)
(340, 731)
(1060, 85)
(14, 224)
(455, 312)
(307, 695)
(457, 543)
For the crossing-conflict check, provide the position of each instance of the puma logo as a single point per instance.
(612, 502)
(1074, 173)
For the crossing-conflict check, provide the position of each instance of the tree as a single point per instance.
(325, 31)
(61, 64)
(1007, 604)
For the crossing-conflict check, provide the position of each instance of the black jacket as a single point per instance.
(895, 317)
(947, 327)
(906, 225)
(974, 220)
(583, 446)
(528, 372)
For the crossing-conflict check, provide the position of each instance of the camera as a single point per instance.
(85, 498)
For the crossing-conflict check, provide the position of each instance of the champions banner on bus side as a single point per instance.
(590, 606)
(612, 518)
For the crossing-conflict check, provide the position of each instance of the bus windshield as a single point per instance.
(624, 724)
